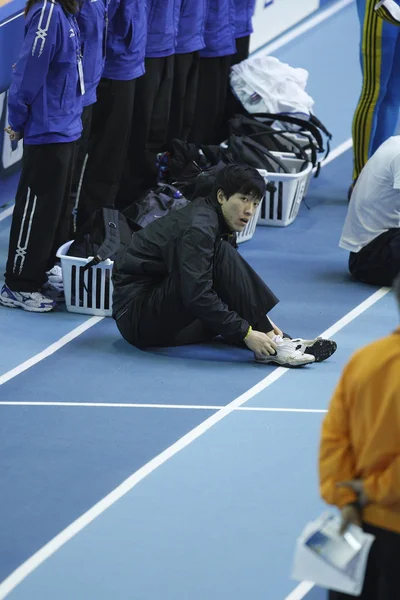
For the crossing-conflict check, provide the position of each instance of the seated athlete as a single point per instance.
(182, 281)
(371, 231)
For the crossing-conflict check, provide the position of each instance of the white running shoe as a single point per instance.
(31, 301)
(320, 348)
(287, 355)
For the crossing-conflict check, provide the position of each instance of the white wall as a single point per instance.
(271, 18)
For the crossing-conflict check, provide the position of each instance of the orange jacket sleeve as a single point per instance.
(336, 459)
(383, 488)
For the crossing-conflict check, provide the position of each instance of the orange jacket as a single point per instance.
(361, 433)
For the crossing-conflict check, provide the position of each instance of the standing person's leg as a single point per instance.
(378, 43)
(211, 97)
(109, 136)
(158, 133)
(192, 87)
(388, 562)
(132, 182)
(233, 106)
(184, 92)
(39, 216)
(382, 573)
(81, 156)
(389, 109)
(62, 232)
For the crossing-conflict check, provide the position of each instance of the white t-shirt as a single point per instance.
(375, 202)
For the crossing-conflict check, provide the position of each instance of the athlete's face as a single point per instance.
(238, 209)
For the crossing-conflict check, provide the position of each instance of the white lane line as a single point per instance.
(11, 19)
(6, 213)
(312, 22)
(300, 591)
(50, 349)
(357, 311)
(162, 406)
(341, 149)
(126, 486)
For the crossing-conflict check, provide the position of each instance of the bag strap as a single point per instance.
(112, 237)
(264, 152)
(313, 126)
(300, 150)
(264, 129)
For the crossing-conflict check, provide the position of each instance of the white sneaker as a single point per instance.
(287, 355)
(31, 301)
(320, 348)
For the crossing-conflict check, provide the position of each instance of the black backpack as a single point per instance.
(272, 139)
(102, 236)
(156, 203)
(311, 130)
(246, 150)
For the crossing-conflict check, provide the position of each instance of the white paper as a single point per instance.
(332, 561)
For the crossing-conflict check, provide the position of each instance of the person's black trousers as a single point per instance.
(233, 106)
(40, 218)
(208, 126)
(149, 129)
(157, 317)
(81, 157)
(382, 579)
(378, 262)
(184, 95)
(108, 143)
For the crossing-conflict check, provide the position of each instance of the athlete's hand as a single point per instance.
(357, 485)
(260, 343)
(14, 136)
(276, 329)
(350, 514)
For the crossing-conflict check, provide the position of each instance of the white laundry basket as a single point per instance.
(280, 207)
(89, 292)
(249, 230)
(302, 141)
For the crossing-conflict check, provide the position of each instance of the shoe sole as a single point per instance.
(321, 349)
(285, 365)
(24, 307)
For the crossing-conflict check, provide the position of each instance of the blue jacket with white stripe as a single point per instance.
(92, 20)
(192, 20)
(219, 34)
(126, 39)
(45, 99)
(244, 15)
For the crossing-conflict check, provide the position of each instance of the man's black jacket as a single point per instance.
(180, 245)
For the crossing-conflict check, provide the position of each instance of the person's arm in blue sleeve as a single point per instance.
(32, 66)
